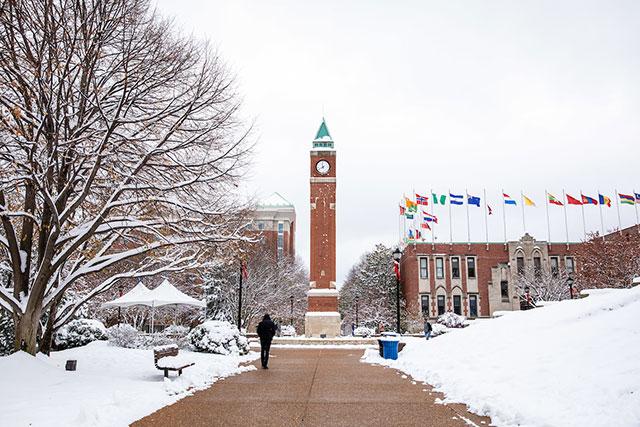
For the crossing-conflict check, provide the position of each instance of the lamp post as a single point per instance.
(397, 255)
(119, 308)
(291, 299)
(356, 311)
(570, 284)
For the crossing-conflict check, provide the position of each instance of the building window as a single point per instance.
(571, 268)
(457, 304)
(537, 266)
(439, 268)
(520, 264)
(280, 239)
(473, 306)
(261, 226)
(455, 268)
(471, 268)
(424, 304)
(504, 290)
(555, 267)
(440, 305)
(424, 268)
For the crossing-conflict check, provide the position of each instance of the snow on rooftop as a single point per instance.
(275, 200)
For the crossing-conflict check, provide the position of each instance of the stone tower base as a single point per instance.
(322, 322)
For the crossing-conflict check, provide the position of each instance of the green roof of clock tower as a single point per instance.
(323, 137)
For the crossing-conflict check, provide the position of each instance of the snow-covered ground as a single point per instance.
(112, 386)
(572, 363)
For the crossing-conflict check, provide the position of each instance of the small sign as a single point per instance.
(71, 365)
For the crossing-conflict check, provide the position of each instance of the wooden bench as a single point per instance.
(166, 359)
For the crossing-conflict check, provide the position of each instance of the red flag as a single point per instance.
(396, 268)
(402, 209)
(425, 225)
(243, 267)
(573, 201)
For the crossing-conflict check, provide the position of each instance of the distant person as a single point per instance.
(266, 331)
(427, 329)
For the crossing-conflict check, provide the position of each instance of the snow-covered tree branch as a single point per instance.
(118, 140)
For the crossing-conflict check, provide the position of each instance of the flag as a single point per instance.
(586, 200)
(243, 267)
(410, 235)
(625, 199)
(490, 210)
(402, 209)
(408, 215)
(425, 225)
(508, 200)
(604, 200)
(637, 197)
(410, 204)
(528, 201)
(396, 268)
(439, 199)
(553, 200)
(473, 200)
(422, 200)
(573, 201)
(456, 199)
(430, 218)
(418, 234)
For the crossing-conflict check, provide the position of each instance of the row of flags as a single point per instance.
(414, 209)
(410, 207)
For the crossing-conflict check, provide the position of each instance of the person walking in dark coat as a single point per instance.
(427, 329)
(266, 331)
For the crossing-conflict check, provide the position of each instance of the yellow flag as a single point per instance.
(528, 201)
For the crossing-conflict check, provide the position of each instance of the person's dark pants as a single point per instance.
(265, 345)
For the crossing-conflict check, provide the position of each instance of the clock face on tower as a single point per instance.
(323, 167)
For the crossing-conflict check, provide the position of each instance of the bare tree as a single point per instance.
(535, 285)
(118, 139)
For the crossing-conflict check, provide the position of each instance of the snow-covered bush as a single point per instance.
(79, 332)
(452, 320)
(124, 335)
(219, 337)
(438, 329)
(176, 331)
(363, 331)
(288, 331)
(6, 333)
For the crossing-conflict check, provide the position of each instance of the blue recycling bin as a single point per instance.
(390, 349)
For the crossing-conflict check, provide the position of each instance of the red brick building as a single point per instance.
(475, 279)
(275, 219)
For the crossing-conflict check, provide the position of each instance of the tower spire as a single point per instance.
(323, 137)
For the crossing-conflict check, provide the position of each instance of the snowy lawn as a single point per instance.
(112, 386)
(572, 363)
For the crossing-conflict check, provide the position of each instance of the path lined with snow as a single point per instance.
(572, 363)
(112, 386)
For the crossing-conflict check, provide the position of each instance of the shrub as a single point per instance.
(363, 331)
(176, 331)
(219, 337)
(124, 335)
(452, 320)
(79, 332)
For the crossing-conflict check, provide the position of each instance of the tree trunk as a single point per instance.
(27, 332)
(47, 337)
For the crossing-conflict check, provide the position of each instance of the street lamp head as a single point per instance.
(397, 254)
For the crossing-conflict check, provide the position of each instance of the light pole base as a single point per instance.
(318, 323)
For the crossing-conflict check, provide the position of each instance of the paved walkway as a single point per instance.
(314, 387)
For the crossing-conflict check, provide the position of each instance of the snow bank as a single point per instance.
(112, 386)
(574, 363)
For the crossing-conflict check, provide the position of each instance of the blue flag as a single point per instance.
(473, 200)
(456, 199)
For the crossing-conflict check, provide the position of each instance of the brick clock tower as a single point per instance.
(322, 317)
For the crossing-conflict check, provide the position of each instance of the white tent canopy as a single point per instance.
(165, 294)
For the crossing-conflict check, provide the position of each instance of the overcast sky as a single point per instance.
(436, 95)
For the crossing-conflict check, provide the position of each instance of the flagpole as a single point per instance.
(524, 225)
(618, 209)
(584, 224)
(504, 219)
(546, 205)
(486, 217)
(566, 222)
(601, 220)
(468, 223)
(635, 205)
(450, 224)
(433, 243)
